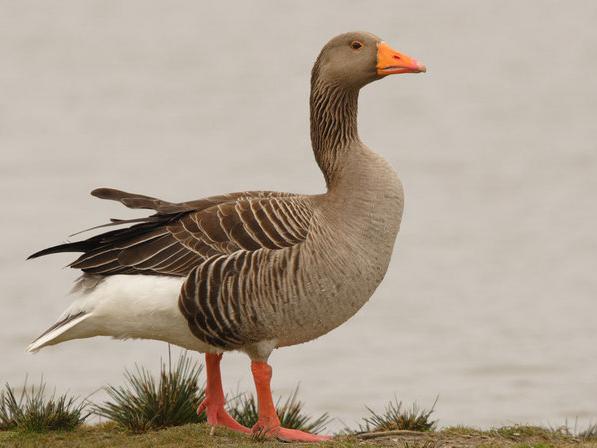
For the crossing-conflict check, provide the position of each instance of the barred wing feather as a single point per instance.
(181, 236)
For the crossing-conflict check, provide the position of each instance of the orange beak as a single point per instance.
(390, 62)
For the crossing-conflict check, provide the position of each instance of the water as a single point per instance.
(490, 300)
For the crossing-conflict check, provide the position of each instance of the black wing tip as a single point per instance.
(68, 247)
(40, 253)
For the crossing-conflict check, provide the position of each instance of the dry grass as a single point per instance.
(202, 435)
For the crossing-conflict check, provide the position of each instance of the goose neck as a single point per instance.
(333, 126)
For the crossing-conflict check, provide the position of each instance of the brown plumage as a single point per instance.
(182, 235)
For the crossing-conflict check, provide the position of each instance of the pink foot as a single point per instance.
(268, 419)
(299, 436)
(217, 415)
(214, 402)
(292, 435)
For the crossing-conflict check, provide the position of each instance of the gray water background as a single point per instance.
(490, 300)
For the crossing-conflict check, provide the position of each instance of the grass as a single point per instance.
(518, 432)
(394, 418)
(34, 412)
(290, 412)
(112, 435)
(147, 404)
(202, 435)
(590, 433)
(161, 412)
(527, 436)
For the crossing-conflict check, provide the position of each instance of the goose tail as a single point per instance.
(59, 332)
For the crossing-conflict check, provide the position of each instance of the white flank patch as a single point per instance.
(123, 307)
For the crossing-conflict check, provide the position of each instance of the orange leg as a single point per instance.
(268, 419)
(214, 402)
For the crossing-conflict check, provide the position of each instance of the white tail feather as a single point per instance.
(57, 333)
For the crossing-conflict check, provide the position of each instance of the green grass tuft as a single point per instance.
(244, 409)
(33, 412)
(590, 433)
(149, 404)
(394, 418)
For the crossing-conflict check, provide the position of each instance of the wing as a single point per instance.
(180, 236)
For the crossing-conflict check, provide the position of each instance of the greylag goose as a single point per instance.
(256, 270)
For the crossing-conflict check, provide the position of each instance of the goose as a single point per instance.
(256, 270)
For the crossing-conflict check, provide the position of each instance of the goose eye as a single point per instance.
(356, 45)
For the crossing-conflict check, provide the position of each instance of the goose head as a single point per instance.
(352, 60)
